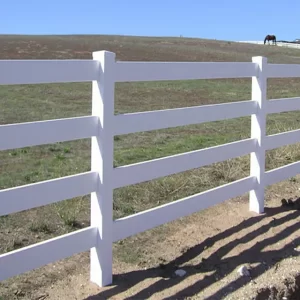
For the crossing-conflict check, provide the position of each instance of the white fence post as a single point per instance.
(102, 162)
(258, 131)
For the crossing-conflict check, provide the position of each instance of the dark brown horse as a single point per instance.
(270, 38)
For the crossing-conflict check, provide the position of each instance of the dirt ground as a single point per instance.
(210, 246)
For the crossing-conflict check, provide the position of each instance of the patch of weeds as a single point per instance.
(229, 170)
(68, 211)
(165, 146)
(37, 163)
(67, 150)
(125, 208)
(17, 244)
(24, 150)
(54, 149)
(293, 179)
(128, 253)
(13, 244)
(13, 153)
(40, 227)
(281, 156)
(29, 177)
(139, 249)
(60, 156)
(3, 218)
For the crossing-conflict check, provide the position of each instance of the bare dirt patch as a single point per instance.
(210, 246)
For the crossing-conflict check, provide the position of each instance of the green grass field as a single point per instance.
(25, 103)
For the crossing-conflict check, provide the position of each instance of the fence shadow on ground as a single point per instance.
(214, 262)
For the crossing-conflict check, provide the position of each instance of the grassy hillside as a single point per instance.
(50, 101)
(139, 48)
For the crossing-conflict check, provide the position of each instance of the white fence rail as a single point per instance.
(101, 127)
(281, 44)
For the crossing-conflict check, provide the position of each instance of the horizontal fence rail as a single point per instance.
(282, 139)
(47, 71)
(159, 71)
(146, 121)
(103, 71)
(31, 257)
(45, 192)
(151, 218)
(21, 135)
(278, 43)
(149, 170)
(282, 173)
(283, 70)
(283, 105)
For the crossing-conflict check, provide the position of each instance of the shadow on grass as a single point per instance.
(215, 262)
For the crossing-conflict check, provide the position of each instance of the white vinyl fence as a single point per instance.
(103, 125)
(281, 44)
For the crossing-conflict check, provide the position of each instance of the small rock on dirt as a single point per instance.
(180, 272)
(243, 271)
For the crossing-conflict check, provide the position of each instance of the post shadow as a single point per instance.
(127, 280)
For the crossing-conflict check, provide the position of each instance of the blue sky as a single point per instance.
(215, 19)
